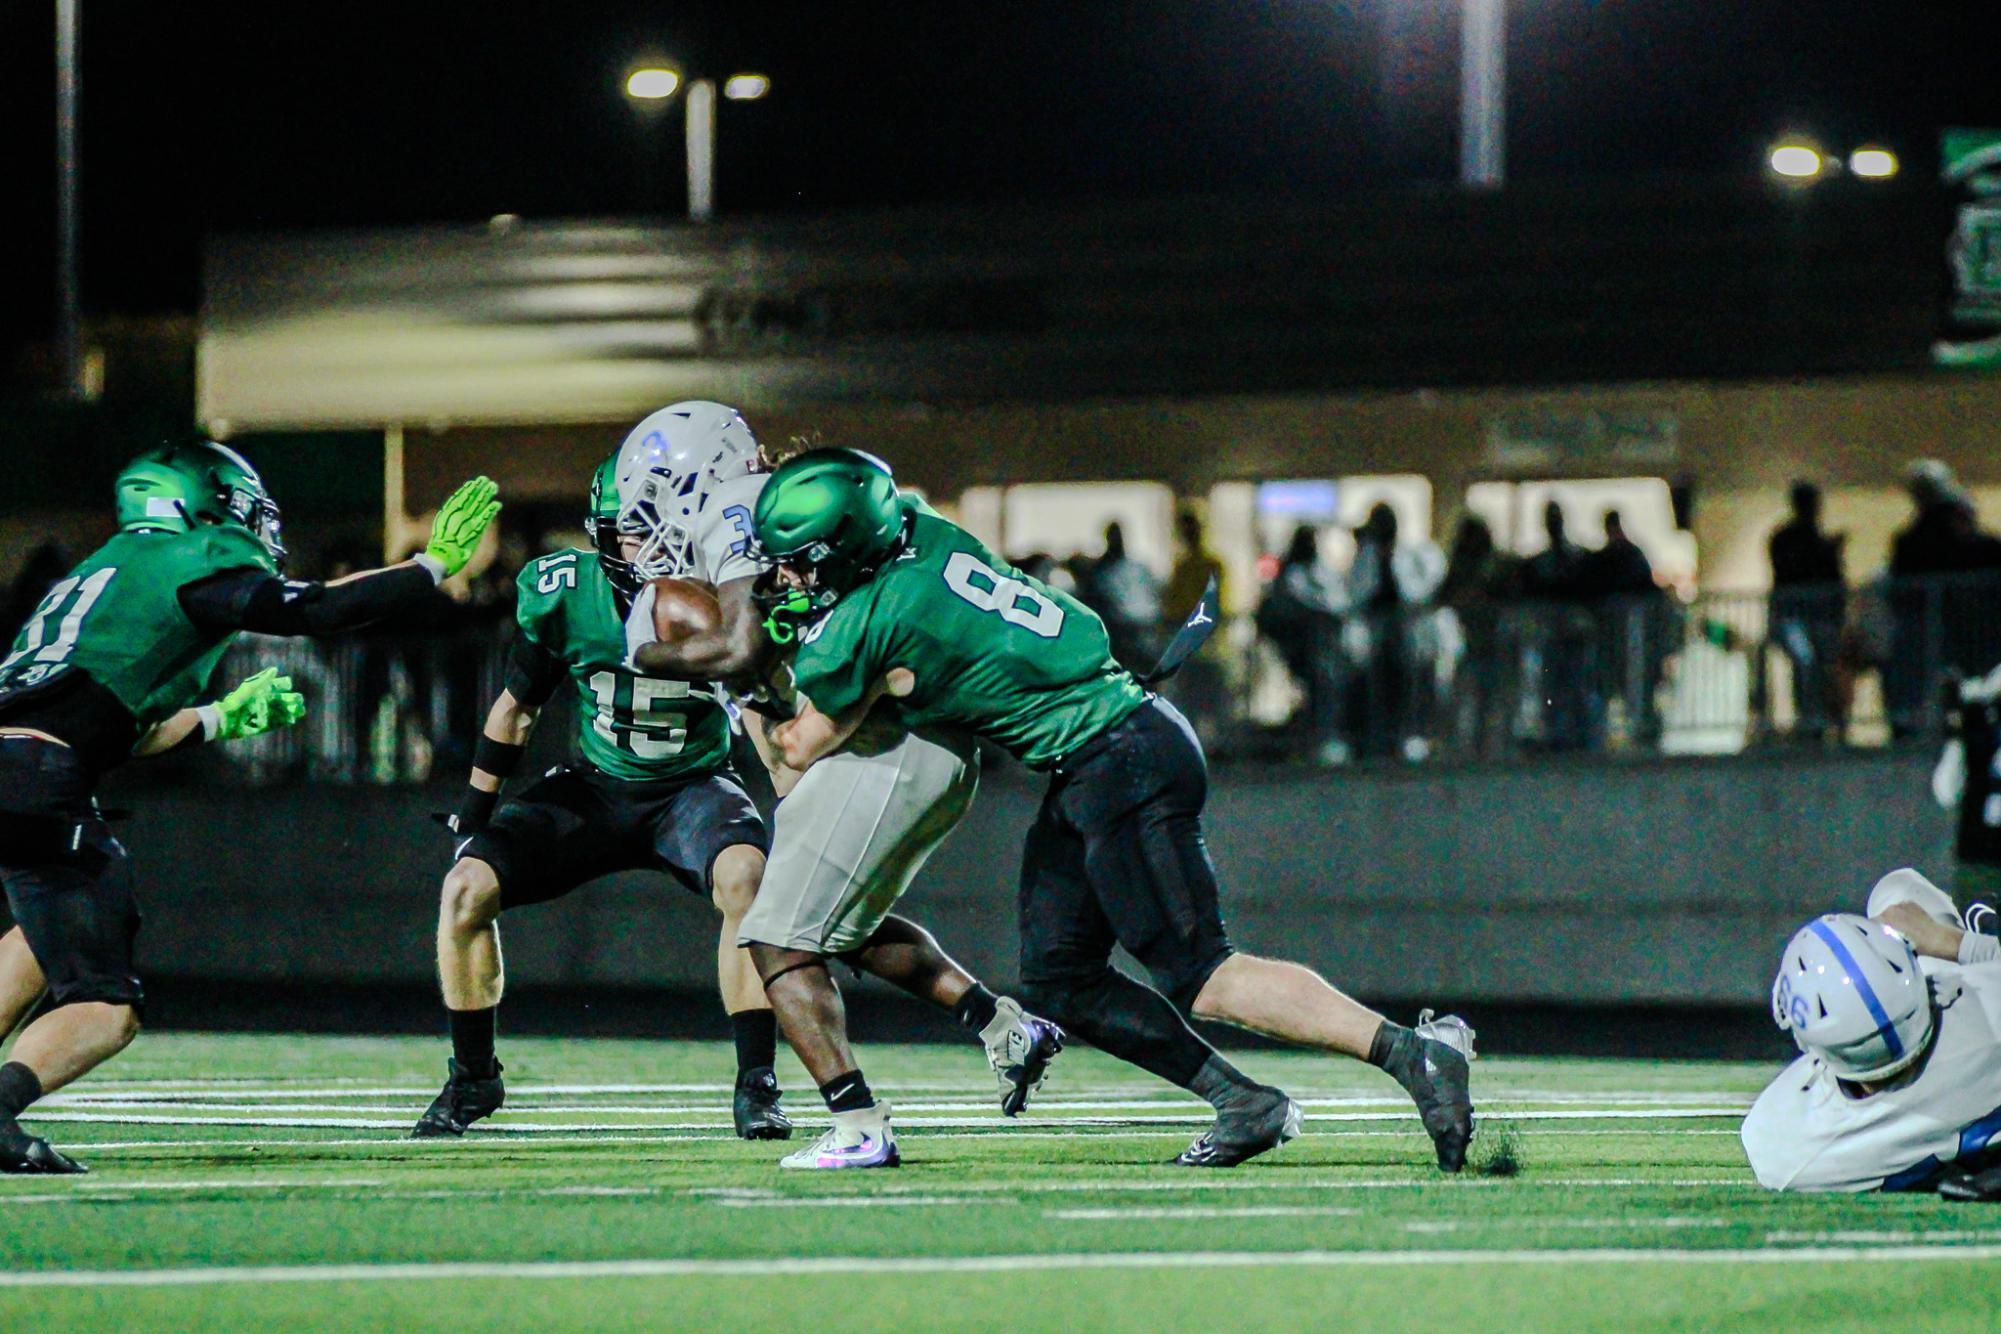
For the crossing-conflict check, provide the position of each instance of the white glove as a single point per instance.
(639, 628)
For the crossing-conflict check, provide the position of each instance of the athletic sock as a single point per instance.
(472, 1041)
(976, 1008)
(756, 1033)
(847, 1093)
(1227, 1088)
(1383, 1049)
(19, 1087)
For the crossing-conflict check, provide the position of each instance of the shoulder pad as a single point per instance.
(224, 546)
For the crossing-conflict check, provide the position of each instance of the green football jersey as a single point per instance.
(642, 728)
(994, 651)
(118, 618)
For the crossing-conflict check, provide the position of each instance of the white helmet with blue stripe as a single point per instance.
(1850, 992)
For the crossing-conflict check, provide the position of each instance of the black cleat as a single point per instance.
(28, 1155)
(1972, 1187)
(462, 1102)
(1430, 1062)
(1238, 1136)
(755, 1106)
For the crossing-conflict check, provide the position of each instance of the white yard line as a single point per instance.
(1202, 1211)
(205, 1276)
(251, 1116)
(1158, 1108)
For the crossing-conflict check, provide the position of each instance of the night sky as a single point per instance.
(207, 116)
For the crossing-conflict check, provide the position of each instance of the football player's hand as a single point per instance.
(263, 702)
(462, 520)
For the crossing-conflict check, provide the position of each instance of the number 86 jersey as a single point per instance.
(994, 651)
(630, 726)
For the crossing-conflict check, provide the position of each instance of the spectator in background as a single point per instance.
(1299, 615)
(1478, 579)
(1631, 626)
(1808, 609)
(1389, 638)
(44, 568)
(1928, 549)
(1560, 643)
(1126, 596)
(1198, 689)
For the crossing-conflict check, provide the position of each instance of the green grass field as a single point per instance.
(240, 1182)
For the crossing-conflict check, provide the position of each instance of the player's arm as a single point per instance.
(531, 677)
(759, 729)
(812, 735)
(259, 601)
(1935, 939)
(262, 703)
(734, 646)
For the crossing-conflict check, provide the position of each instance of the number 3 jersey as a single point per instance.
(994, 651)
(630, 726)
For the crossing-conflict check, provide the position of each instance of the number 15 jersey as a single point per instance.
(994, 651)
(639, 728)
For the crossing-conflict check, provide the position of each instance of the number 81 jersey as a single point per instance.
(630, 726)
(994, 651)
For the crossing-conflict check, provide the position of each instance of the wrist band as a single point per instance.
(431, 563)
(211, 721)
(499, 758)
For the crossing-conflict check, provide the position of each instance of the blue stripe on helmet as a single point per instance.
(1868, 994)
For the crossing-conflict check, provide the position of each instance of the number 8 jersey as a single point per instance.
(630, 726)
(994, 651)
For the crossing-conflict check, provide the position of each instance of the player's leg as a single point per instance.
(1151, 870)
(809, 1009)
(709, 836)
(21, 981)
(77, 914)
(851, 837)
(537, 847)
(754, 1102)
(1066, 972)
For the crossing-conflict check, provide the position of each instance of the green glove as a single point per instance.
(461, 522)
(263, 702)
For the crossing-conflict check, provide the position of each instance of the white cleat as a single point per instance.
(856, 1139)
(1020, 1047)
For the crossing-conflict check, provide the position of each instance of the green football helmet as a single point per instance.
(831, 511)
(601, 524)
(173, 487)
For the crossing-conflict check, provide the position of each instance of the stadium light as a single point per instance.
(1797, 162)
(1878, 164)
(657, 83)
(652, 84)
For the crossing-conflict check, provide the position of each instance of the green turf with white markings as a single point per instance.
(244, 1180)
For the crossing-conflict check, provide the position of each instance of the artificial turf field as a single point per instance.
(245, 1182)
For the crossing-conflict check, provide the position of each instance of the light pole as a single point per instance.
(1482, 93)
(657, 83)
(69, 322)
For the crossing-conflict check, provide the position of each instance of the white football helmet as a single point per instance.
(1850, 992)
(666, 469)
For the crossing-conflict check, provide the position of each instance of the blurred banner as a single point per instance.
(1971, 167)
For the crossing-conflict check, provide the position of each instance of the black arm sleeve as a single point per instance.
(265, 604)
(533, 673)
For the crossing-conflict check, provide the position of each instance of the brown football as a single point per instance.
(682, 608)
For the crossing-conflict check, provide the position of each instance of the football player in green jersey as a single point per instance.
(651, 788)
(916, 617)
(109, 667)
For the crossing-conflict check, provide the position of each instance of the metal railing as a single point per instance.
(1502, 680)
